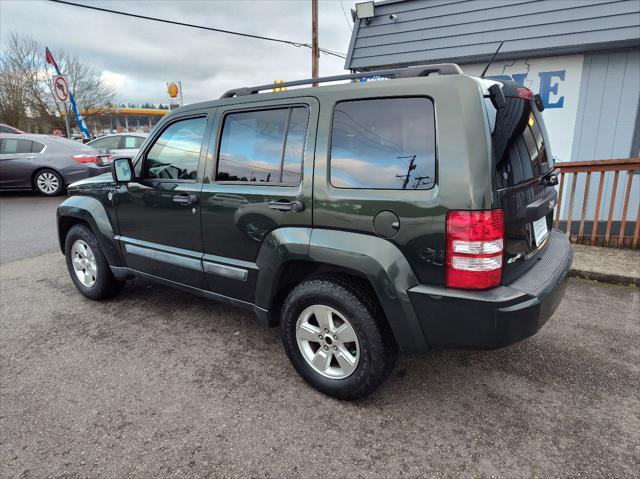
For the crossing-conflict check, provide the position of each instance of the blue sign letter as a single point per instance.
(546, 88)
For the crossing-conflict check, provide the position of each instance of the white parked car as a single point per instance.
(120, 144)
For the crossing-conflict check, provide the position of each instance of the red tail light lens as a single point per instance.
(85, 158)
(524, 93)
(475, 243)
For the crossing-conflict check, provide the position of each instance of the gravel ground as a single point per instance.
(157, 383)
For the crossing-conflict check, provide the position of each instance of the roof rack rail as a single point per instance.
(409, 72)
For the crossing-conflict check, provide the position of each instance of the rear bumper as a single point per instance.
(90, 170)
(500, 316)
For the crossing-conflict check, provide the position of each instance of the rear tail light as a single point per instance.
(86, 158)
(524, 93)
(475, 243)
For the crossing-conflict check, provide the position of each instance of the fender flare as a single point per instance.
(93, 212)
(377, 259)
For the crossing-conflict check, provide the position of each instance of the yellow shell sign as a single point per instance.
(173, 90)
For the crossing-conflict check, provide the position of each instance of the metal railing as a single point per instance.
(617, 231)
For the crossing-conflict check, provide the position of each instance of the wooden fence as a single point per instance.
(616, 233)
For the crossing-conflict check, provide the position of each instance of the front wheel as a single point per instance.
(48, 183)
(87, 265)
(337, 338)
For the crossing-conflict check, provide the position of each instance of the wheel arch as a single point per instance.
(290, 255)
(89, 211)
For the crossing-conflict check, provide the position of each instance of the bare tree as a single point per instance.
(26, 92)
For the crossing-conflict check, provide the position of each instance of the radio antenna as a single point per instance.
(491, 61)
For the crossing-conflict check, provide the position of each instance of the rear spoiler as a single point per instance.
(510, 89)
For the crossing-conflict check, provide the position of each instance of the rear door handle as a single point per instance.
(185, 199)
(542, 206)
(286, 205)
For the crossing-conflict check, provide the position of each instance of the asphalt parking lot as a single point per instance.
(157, 383)
(27, 224)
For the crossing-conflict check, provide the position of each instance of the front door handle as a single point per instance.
(185, 199)
(286, 205)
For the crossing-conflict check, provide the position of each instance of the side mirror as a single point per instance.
(122, 170)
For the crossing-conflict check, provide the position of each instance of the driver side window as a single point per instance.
(176, 152)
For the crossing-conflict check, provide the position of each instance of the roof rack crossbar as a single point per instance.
(409, 72)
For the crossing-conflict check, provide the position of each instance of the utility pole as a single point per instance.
(315, 52)
(412, 166)
(418, 180)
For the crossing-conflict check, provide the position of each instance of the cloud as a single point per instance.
(141, 56)
(113, 80)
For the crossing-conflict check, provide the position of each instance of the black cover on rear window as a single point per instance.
(521, 156)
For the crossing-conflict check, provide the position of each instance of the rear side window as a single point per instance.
(12, 145)
(176, 152)
(106, 143)
(383, 144)
(36, 147)
(263, 146)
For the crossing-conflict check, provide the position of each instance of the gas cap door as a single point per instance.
(386, 224)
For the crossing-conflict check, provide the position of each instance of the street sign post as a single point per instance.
(61, 88)
(61, 94)
(174, 91)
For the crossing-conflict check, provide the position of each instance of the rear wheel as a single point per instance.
(48, 183)
(337, 338)
(87, 265)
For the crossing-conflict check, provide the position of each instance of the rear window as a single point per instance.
(518, 142)
(383, 144)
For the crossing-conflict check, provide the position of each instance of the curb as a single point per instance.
(605, 277)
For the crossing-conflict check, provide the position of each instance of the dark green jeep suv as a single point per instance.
(363, 218)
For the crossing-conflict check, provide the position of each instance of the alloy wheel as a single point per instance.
(48, 182)
(328, 342)
(84, 263)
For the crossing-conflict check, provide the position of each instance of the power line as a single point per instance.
(201, 27)
(346, 17)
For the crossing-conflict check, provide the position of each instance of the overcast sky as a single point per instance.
(138, 56)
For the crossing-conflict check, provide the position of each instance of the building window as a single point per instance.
(383, 144)
(176, 152)
(263, 146)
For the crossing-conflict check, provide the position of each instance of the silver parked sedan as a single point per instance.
(46, 163)
(120, 145)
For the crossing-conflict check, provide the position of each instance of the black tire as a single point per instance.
(106, 285)
(378, 351)
(40, 185)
